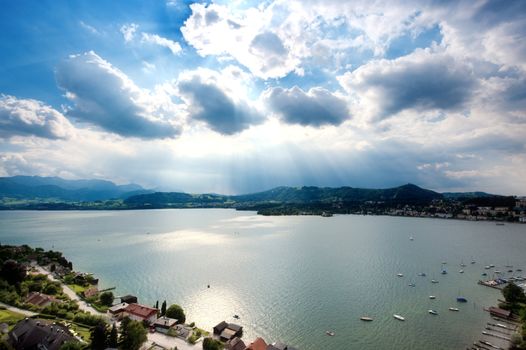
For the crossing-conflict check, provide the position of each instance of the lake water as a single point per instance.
(290, 278)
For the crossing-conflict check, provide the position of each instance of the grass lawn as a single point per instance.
(77, 288)
(10, 317)
(82, 331)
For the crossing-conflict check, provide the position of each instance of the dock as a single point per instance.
(496, 334)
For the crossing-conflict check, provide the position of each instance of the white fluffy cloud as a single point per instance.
(173, 46)
(128, 31)
(105, 97)
(27, 117)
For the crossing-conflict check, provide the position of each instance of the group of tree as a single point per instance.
(212, 344)
(174, 311)
(133, 334)
(516, 302)
(106, 298)
(103, 337)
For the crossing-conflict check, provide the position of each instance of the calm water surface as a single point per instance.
(290, 278)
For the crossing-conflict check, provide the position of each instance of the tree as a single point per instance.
(163, 308)
(106, 298)
(133, 334)
(175, 311)
(211, 344)
(513, 293)
(98, 337)
(157, 304)
(13, 272)
(113, 337)
(72, 345)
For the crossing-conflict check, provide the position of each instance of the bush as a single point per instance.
(106, 298)
(211, 344)
(175, 311)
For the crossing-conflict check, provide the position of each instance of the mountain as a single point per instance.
(465, 195)
(299, 196)
(58, 189)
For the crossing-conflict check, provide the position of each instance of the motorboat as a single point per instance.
(432, 297)
(462, 300)
(400, 275)
(434, 281)
(366, 318)
(432, 312)
(330, 333)
(454, 309)
(398, 317)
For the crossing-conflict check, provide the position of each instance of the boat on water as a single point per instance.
(484, 274)
(510, 270)
(422, 274)
(236, 317)
(366, 318)
(432, 312)
(400, 275)
(398, 317)
(491, 265)
(497, 271)
(462, 300)
(411, 285)
(487, 267)
(330, 333)
(411, 238)
(461, 271)
(519, 270)
(432, 297)
(454, 309)
(444, 272)
(434, 281)
(462, 263)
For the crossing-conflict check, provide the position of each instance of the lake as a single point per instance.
(290, 278)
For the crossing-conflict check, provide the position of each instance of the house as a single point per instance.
(32, 334)
(117, 310)
(141, 313)
(235, 344)
(129, 299)
(227, 331)
(40, 299)
(258, 344)
(164, 324)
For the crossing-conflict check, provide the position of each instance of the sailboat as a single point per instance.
(462, 263)
(432, 312)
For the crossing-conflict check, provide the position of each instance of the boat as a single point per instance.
(462, 300)
(432, 297)
(462, 263)
(432, 312)
(330, 333)
(366, 318)
(398, 317)
(519, 270)
(236, 317)
(484, 274)
(497, 271)
(411, 238)
(400, 275)
(422, 274)
(444, 262)
(434, 281)
(491, 265)
(444, 272)
(461, 271)
(487, 267)
(510, 270)
(411, 284)
(454, 309)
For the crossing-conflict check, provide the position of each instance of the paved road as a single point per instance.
(169, 342)
(17, 310)
(72, 295)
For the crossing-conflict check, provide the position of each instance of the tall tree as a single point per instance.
(113, 337)
(106, 298)
(99, 335)
(163, 308)
(133, 335)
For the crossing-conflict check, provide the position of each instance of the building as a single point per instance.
(116, 311)
(129, 299)
(40, 299)
(32, 334)
(227, 331)
(141, 313)
(235, 344)
(163, 324)
(258, 344)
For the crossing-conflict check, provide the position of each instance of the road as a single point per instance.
(169, 342)
(19, 311)
(72, 295)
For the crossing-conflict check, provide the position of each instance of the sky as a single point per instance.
(243, 96)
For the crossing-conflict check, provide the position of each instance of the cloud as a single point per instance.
(128, 31)
(423, 80)
(209, 100)
(89, 28)
(173, 46)
(316, 107)
(27, 117)
(104, 96)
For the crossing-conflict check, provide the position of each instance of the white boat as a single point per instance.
(400, 275)
(366, 318)
(411, 238)
(398, 317)
(411, 285)
(454, 309)
(434, 281)
(330, 333)
(432, 297)
(432, 312)
(461, 271)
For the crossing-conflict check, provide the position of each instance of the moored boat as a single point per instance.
(432, 312)
(330, 333)
(400, 275)
(366, 318)
(454, 309)
(432, 297)
(462, 300)
(434, 281)
(398, 317)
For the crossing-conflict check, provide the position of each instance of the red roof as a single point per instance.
(258, 344)
(141, 310)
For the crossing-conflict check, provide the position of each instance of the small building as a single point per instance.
(163, 324)
(117, 310)
(235, 344)
(129, 299)
(495, 311)
(40, 299)
(258, 344)
(33, 334)
(227, 331)
(141, 313)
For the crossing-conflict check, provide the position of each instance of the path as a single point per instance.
(18, 311)
(72, 295)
